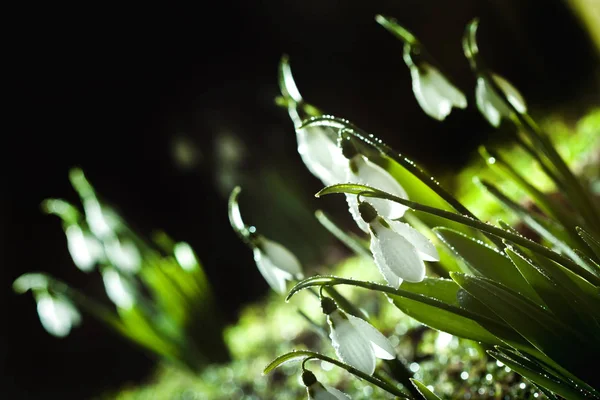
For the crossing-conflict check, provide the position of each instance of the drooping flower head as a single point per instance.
(362, 171)
(493, 105)
(356, 342)
(317, 391)
(398, 249)
(317, 145)
(434, 92)
(275, 263)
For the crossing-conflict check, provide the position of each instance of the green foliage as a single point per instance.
(161, 299)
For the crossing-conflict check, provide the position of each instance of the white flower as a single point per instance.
(493, 107)
(85, 249)
(123, 254)
(365, 172)
(276, 263)
(321, 155)
(398, 249)
(434, 93)
(118, 288)
(317, 391)
(356, 342)
(57, 314)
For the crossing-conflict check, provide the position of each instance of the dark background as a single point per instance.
(114, 92)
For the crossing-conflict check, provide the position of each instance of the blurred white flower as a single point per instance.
(434, 93)
(398, 249)
(356, 342)
(321, 155)
(491, 105)
(57, 313)
(276, 263)
(123, 254)
(118, 288)
(317, 391)
(84, 248)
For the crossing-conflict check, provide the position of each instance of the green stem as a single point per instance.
(474, 223)
(406, 163)
(313, 355)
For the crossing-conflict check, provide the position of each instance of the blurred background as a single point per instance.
(167, 110)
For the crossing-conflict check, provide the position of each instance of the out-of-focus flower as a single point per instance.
(119, 290)
(398, 249)
(356, 342)
(317, 391)
(321, 155)
(491, 105)
(84, 248)
(276, 263)
(57, 313)
(433, 91)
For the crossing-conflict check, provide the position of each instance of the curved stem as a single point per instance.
(307, 355)
(474, 223)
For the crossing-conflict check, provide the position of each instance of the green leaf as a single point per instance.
(367, 191)
(418, 184)
(433, 302)
(540, 375)
(548, 229)
(559, 342)
(591, 241)
(559, 300)
(426, 393)
(486, 261)
(450, 319)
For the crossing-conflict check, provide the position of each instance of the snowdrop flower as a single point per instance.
(276, 263)
(433, 91)
(398, 249)
(356, 342)
(317, 391)
(492, 104)
(317, 146)
(123, 254)
(321, 155)
(119, 290)
(84, 248)
(57, 313)
(362, 171)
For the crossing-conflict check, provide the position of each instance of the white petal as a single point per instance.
(446, 89)
(353, 208)
(118, 289)
(373, 175)
(185, 256)
(56, 314)
(399, 254)
(424, 246)
(350, 346)
(338, 394)
(123, 254)
(491, 105)
(275, 277)
(512, 94)
(428, 97)
(95, 217)
(382, 348)
(392, 279)
(83, 248)
(281, 257)
(321, 155)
